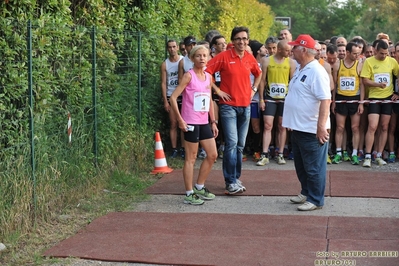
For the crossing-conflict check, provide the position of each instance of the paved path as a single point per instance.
(334, 206)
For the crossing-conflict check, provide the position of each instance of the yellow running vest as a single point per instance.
(277, 78)
(348, 80)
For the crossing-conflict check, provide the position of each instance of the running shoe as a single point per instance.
(263, 160)
(373, 156)
(391, 158)
(367, 162)
(354, 160)
(233, 189)
(193, 199)
(298, 199)
(337, 159)
(271, 152)
(276, 153)
(360, 156)
(202, 154)
(174, 153)
(256, 156)
(346, 157)
(385, 155)
(239, 183)
(380, 161)
(204, 193)
(280, 159)
(308, 206)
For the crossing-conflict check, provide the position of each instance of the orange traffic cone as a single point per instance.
(161, 167)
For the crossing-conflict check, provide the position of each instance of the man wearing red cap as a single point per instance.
(306, 113)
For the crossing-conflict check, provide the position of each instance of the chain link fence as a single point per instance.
(66, 92)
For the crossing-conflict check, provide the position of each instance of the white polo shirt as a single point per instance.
(306, 89)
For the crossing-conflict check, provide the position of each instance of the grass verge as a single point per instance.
(120, 193)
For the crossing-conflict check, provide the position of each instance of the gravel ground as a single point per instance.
(350, 207)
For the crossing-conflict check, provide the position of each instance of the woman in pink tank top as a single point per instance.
(197, 121)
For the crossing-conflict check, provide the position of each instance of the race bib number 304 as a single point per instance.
(201, 101)
(347, 83)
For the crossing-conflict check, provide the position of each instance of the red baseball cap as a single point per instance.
(304, 40)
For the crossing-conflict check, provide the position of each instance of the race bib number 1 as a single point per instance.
(201, 101)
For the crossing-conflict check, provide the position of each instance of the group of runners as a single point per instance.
(364, 92)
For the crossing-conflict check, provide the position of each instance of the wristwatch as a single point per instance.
(255, 89)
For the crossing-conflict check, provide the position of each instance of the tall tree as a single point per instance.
(319, 18)
(303, 14)
(342, 18)
(380, 16)
(224, 15)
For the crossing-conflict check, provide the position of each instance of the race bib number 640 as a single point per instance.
(277, 90)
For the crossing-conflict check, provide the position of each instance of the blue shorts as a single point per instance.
(255, 110)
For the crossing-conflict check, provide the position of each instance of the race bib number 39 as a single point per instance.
(201, 101)
(383, 77)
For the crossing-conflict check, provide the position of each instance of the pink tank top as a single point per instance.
(196, 100)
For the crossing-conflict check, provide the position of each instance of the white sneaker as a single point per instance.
(280, 159)
(202, 154)
(233, 189)
(263, 160)
(239, 183)
(308, 206)
(367, 162)
(298, 199)
(380, 161)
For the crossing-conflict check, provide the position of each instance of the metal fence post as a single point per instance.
(31, 121)
(139, 78)
(94, 98)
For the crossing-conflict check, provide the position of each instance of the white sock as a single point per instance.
(199, 187)
(354, 152)
(339, 151)
(189, 192)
